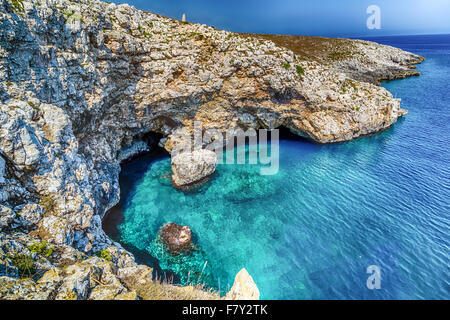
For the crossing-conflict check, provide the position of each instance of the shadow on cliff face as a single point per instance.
(287, 134)
(114, 216)
(136, 164)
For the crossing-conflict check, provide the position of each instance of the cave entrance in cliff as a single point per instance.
(143, 158)
(287, 134)
(132, 171)
(114, 216)
(151, 139)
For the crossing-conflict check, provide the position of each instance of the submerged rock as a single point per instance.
(193, 167)
(244, 288)
(176, 238)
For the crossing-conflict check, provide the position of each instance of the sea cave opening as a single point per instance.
(137, 164)
(136, 169)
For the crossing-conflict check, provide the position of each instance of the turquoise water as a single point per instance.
(310, 231)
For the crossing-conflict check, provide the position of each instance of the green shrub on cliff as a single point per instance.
(300, 70)
(67, 14)
(17, 6)
(286, 65)
(31, 104)
(23, 263)
(104, 254)
(41, 248)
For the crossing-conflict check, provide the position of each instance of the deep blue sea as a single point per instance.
(311, 230)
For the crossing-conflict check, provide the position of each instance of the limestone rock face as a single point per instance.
(176, 238)
(192, 167)
(82, 81)
(6, 217)
(244, 288)
(23, 289)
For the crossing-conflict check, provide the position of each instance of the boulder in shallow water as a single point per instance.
(189, 168)
(176, 238)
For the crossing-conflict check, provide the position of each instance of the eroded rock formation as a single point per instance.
(82, 81)
(244, 288)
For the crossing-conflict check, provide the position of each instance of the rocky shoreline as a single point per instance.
(358, 59)
(84, 82)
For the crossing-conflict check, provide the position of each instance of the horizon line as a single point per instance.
(344, 36)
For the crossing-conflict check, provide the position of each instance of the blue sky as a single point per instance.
(308, 17)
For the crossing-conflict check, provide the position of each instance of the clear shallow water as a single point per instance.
(311, 231)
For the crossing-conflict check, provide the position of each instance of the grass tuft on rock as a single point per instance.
(41, 248)
(300, 70)
(18, 7)
(31, 104)
(104, 254)
(24, 263)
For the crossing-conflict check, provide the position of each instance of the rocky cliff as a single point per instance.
(83, 82)
(357, 59)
